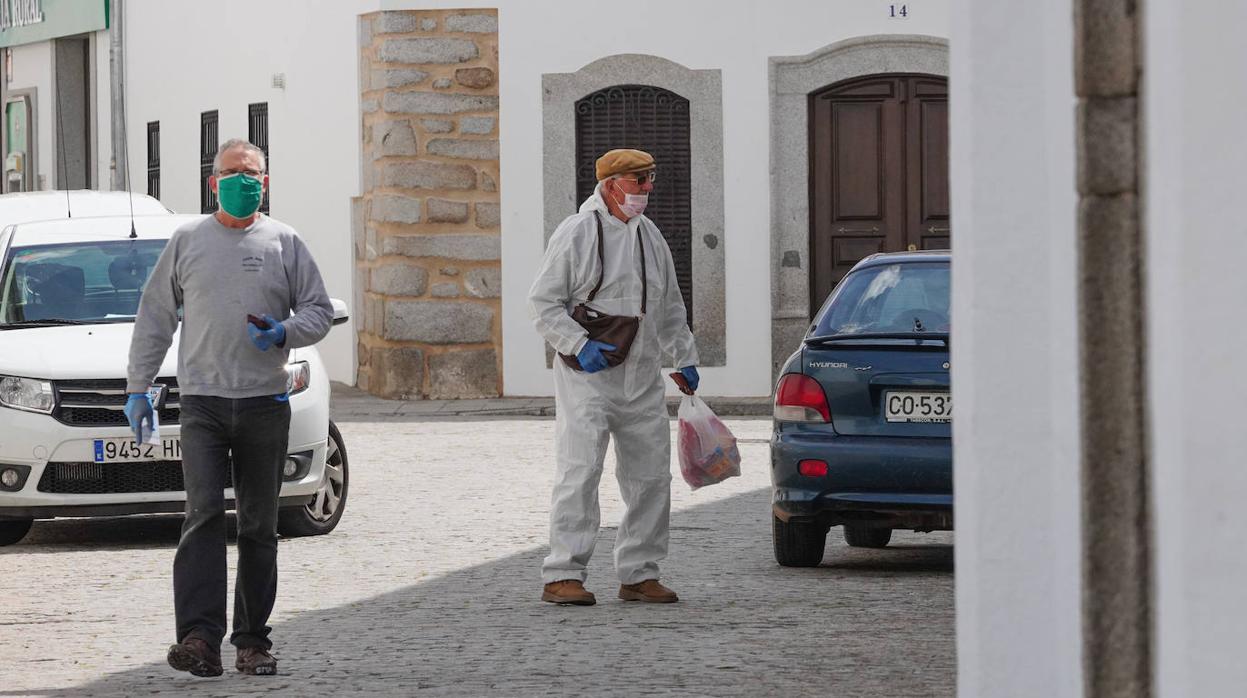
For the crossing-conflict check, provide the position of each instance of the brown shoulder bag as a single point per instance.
(616, 330)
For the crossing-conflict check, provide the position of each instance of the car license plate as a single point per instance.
(131, 451)
(928, 407)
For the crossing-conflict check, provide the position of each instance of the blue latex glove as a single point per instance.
(591, 358)
(263, 339)
(690, 374)
(139, 408)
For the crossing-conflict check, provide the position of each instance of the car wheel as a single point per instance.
(322, 514)
(13, 530)
(866, 537)
(798, 543)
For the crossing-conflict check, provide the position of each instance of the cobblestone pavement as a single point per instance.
(430, 586)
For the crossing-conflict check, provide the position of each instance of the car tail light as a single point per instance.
(800, 398)
(812, 468)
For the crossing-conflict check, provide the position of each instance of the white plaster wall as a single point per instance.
(1015, 361)
(102, 134)
(32, 67)
(1196, 243)
(187, 58)
(700, 34)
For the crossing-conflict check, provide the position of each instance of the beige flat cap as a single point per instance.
(623, 161)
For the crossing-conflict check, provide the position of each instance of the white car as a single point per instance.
(69, 290)
(27, 206)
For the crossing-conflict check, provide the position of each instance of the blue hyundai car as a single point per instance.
(863, 412)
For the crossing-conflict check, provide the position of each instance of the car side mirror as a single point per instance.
(340, 313)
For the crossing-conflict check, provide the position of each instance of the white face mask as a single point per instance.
(633, 205)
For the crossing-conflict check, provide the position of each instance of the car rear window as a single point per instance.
(903, 297)
(89, 281)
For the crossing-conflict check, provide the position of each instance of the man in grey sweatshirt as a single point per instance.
(231, 372)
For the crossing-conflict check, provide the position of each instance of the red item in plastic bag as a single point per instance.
(708, 451)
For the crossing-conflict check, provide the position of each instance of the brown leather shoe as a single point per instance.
(255, 661)
(649, 591)
(568, 591)
(196, 656)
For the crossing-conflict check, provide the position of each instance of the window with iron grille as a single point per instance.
(207, 153)
(656, 121)
(257, 133)
(153, 159)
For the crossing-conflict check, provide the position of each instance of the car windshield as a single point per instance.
(87, 282)
(897, 298)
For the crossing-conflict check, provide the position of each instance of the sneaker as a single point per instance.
(196, 656)
(568, 591)
(255, 661)
(649, 591)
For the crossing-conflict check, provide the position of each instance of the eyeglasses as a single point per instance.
(641, 178)
(250, 173)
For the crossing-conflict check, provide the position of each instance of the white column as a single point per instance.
(1015, 350)
(1196, 154)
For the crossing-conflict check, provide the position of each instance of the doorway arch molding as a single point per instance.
(792, 79)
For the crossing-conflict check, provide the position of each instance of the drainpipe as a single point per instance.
(119, 170)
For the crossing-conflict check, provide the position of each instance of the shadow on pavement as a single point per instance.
(112, 533)
(867, 623)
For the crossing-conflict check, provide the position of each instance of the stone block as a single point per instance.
(445, 289)
(438, 322)
(378, 313)
(443, 211)
(428, 25)
(370, 244)
(1107, 146)
(442, 83)
(394, 23)
(476, 125)
(399, 280)
(359, 224)
(475, 78)
(460, 148)
(382, 79)
(1105, 44)
(470, 247)
(437, 103)
(395, 208)
(463, 374)
(396, 372)
(488, 215)
(428, 175)
(437, 125)
(487, 182)
(369, 106)
(476, 24)
(483, 283)
(395, 138)
(427, 50)
(449, 271)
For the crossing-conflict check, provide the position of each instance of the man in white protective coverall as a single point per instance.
(625, 401)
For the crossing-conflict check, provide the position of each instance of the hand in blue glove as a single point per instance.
(591, 358)
(691, 376)
(139, 408)
(263, 339)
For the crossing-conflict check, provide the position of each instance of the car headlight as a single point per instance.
(27, 394)
(298, 377)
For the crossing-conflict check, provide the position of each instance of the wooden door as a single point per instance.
(878, 173)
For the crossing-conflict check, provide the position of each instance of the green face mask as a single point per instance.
(240, 195)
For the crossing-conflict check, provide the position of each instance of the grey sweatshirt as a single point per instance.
(217, 276)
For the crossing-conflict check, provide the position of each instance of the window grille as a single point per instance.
(207, 153)
(257, 133)
(656, 121)
(153, 159)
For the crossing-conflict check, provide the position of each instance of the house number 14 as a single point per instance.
(898, 11)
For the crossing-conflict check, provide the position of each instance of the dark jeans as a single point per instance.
(255, 431)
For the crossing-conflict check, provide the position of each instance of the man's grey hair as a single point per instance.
(238, 143)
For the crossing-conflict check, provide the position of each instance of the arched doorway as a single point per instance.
(878, 172)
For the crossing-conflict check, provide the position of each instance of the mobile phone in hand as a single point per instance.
(681, 382)
(258, 322)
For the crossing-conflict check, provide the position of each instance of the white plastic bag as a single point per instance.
(708, 452)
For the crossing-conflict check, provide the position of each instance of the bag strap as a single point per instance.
(597, 218)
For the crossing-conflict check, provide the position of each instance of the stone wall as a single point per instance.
(427, 227)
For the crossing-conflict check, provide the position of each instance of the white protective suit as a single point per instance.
(626, 401)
